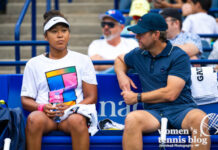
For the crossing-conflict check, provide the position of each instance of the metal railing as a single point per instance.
(33, 23)
(56, 4)
(201, 35)
(205, 49)
(19, 63)
(17, 29)
(108, 62)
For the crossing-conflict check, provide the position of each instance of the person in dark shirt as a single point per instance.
(165, 75)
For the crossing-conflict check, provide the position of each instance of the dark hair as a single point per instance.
(163, 35)
(180, 22)
(205, 4)
(50, 14)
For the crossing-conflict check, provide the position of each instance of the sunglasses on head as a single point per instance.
(109, 24)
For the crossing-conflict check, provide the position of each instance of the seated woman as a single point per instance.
(60, 76)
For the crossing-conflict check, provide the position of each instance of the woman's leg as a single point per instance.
(76, 125)
(37, 124)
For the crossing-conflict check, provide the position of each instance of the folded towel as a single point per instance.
(204, 84)
(88, 111)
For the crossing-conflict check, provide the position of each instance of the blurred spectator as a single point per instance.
(125, 4)
(184, 5)
(168, 4)
(200, 22)
(137, 10)
(214, 53)
(186, 9)
(112, 23)
(189, 42)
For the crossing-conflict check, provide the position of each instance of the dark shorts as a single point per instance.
(175, 116)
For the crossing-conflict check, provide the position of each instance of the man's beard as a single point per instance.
(147, 47)
(111, 36)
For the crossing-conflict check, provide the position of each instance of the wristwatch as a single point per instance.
(139, 97)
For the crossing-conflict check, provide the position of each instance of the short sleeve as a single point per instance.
(214, 53)
(186, 25)
(88, 72)
(128, 59)
(29, 88)
(196, 40)
(181, 67)
(92, 49)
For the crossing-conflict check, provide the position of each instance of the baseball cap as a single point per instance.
(114, 14)
(53, 21)
(171, 12)
(149, 22)
(139, 8)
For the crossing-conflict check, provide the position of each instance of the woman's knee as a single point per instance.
(35, 121)
(77, 123)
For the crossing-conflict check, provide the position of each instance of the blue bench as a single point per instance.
(110, 105)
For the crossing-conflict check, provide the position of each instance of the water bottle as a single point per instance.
(56, 101)
(56, 118)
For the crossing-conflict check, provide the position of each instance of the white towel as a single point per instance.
(204, 84)
(86, 110)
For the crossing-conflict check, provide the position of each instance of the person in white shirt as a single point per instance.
(189, 42)
(200, 22)
(60, 77)
(112, 23)
(214, 54)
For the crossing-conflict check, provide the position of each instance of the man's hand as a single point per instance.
(129, 97)
(125, 82)
(161, 4)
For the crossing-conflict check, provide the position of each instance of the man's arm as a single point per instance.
(121, 68)
(100, 67)
(165, 4)
(190, 49)
(165, 94)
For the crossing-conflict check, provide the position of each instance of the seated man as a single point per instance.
(189, 42)
(165, 75)
(112, 23)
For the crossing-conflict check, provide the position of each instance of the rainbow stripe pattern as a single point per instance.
(62, 84)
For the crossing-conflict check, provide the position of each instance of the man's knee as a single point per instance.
(194, 118)
(133, 121)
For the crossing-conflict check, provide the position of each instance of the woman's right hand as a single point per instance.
(48, 109)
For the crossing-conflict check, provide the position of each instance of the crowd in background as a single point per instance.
(160, 54)
(186, 19)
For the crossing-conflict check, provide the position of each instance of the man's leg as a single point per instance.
(37, 124)
(76, 125)
(136, 123)
(192, 121)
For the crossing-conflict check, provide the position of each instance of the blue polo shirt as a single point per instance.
(153, 72)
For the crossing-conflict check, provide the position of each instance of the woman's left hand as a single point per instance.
(61, 108)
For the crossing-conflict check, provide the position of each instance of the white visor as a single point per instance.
(53, 21)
